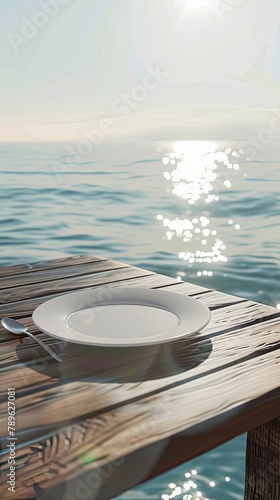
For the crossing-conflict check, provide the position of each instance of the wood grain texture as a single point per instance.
(30, 301)
(43, 285)
(104, 409)
(263, 462)
(53, 274)
(47, 265)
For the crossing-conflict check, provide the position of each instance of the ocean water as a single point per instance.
(200, 211)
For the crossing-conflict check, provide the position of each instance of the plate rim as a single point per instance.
(85, 339)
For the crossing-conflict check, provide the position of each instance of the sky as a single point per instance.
(127, 68)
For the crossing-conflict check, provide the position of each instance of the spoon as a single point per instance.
(18, 328)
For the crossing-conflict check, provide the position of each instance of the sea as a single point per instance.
(200, 211)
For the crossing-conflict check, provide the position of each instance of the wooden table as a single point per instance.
(85, 434)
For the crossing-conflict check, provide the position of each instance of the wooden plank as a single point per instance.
(78, 424)
(146, 281)
(65, 283)
(152, 421)
(237, 313)
(25, 307)
(213, 300)
(263, 462)
(38, 277)
(195, 359)
(186, 288)
(45, 265)
(10, 355)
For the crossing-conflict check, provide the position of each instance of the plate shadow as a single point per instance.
(116, 364)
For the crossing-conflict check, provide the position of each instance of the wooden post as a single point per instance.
(263, 462)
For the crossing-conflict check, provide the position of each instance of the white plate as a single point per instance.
(121, 316)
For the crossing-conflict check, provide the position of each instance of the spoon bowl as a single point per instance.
(19, 328)
(14, 326)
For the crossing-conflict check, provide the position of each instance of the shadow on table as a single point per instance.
(116, 364)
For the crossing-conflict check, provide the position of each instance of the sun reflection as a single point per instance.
(198, 166)
(189, 489)
(197, 172)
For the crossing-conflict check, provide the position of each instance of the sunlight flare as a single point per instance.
(199, 4)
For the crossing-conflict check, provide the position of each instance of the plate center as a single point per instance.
(122, 321)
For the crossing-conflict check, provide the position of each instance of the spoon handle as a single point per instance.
(47, 348)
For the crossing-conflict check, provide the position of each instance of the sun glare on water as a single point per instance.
(198, 173)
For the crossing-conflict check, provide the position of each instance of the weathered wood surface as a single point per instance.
(263, 462)
(48, 265)
(159, 407)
